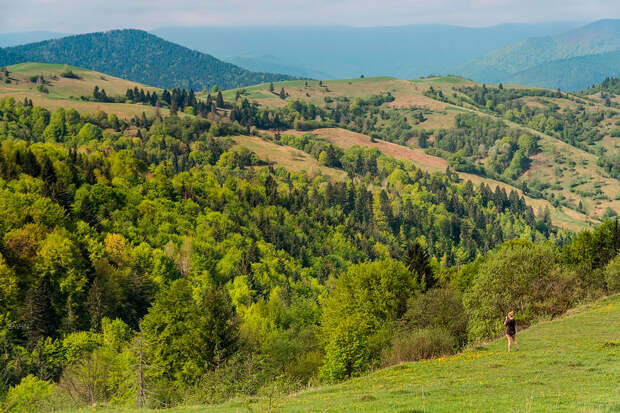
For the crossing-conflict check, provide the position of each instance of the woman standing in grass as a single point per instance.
(511, 330)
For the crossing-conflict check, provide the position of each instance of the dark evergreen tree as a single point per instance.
(418, 262)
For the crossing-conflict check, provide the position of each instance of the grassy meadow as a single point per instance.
(65, 92)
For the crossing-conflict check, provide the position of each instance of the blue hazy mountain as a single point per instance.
(19, 38)
(523, 60)
(343, 52)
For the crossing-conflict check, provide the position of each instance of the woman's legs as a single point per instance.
(512, 339)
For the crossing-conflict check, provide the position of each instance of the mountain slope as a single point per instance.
(578, 372)
(598, 37)
(139, 56)
(570, 74)
(344, 52)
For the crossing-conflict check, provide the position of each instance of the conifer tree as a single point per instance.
(418, 262)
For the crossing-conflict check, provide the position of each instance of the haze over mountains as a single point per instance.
(332, 52)
(20, 38)
(530, 61)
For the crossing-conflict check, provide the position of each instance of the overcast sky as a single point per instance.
(95, 15)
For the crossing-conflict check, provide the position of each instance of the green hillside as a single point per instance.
(450, 121)
(253, 251)
(138, 56)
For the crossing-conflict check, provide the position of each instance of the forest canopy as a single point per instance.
(159, 243)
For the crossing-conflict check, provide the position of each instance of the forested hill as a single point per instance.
(569, 60)
(138, 56)
(571, 74)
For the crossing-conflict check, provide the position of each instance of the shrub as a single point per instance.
(69, 74)
(347, 352)
(437, 308)
(419, 344)
(364, 302)
(612, 275)
(240, 375)
(33, 395)
(102, 376)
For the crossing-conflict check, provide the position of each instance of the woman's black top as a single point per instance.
(511, 327)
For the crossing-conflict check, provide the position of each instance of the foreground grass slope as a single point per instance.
(571, 364)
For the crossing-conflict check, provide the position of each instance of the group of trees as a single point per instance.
(608, 88)
(177, 100)
(174, 99)
(475, 138)
(356, 114)
(149, 265)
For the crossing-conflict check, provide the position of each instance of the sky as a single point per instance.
(77, 16)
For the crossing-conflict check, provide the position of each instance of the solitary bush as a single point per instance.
(419, 344)
(69, 74)
(612, 275)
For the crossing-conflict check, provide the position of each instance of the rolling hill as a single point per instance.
(65, 92)
(140, 57)
(566, 175)
(561, 192)
(501, 65)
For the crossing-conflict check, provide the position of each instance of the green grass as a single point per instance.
(571, 364)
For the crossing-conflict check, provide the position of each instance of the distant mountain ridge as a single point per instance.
(19, 38)
(141, 57)
(530, 61)
(572, 74)
(335, 52)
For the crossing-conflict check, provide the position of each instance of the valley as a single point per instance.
(182, 234)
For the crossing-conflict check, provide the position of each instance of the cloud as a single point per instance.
(93, 15)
